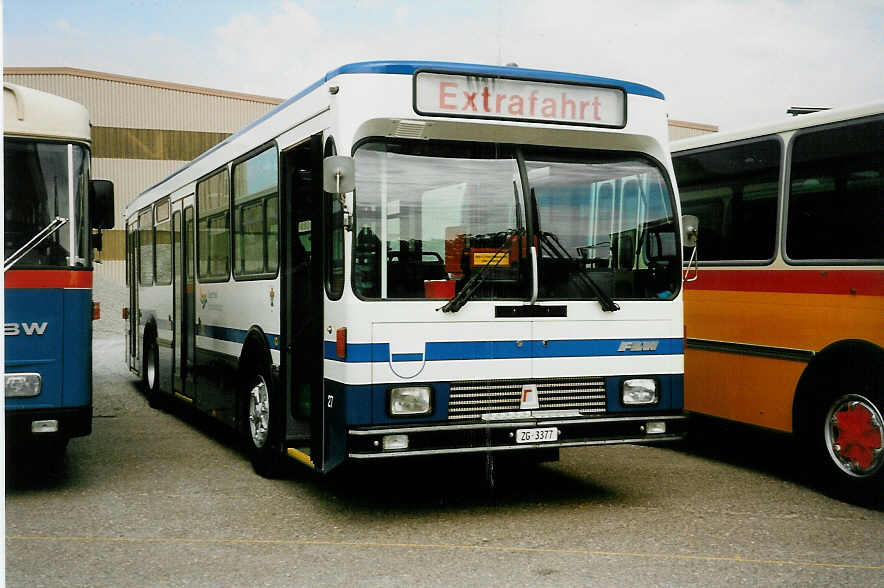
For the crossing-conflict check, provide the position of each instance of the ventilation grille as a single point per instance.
(470, 400)
(409, 129)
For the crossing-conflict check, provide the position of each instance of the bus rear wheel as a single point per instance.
(850, 442)
(846, 435)
(150, 372)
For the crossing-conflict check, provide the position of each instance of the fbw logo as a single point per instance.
(13, 329)
(638, 346)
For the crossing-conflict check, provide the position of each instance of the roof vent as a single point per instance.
(410, 129)
(19, 102)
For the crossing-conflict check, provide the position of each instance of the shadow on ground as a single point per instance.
(776, 454)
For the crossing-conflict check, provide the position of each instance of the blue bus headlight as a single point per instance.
(410, 401)
(22, 385)
(639, 392)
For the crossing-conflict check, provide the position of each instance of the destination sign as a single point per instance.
(438, 94)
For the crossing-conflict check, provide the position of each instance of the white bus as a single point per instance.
(421, 258)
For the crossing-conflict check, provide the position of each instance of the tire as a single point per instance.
(262, 418)
(849, 443)
(150, 373)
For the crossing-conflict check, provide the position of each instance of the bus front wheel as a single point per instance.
(261, 420)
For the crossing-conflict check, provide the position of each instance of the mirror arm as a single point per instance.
(348, 217)
(686, 276)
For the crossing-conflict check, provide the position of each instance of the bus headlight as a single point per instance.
(410, 401)
(22, 385)
(639, 392)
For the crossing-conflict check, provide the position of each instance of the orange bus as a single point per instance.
(785, 317)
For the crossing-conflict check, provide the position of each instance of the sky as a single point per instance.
(730, 63)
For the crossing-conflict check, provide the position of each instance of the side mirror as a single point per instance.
(338, 174)
(101, 204)
(690, 228)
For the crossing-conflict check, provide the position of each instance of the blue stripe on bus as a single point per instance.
(601, 347)
(494, 71)
(469, 350)
(358, 352)
(234, 335)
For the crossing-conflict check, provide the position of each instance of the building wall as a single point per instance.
(144, 130)
(134, 103)
(679, 129)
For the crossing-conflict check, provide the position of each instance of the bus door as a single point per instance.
(184, 301)
(302, 315)
(132, 278)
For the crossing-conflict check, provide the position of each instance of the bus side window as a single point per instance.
(255, 215)
(162, 244)
(212, 222)
(334, 237)
(834, 190)
(733, 191)
(145, 248)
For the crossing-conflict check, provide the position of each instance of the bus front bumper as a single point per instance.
(511, 435)
(47, 424)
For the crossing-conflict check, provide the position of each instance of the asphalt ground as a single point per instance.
(157, 498)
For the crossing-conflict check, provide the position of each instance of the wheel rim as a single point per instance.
(854, 432)
(259, 412)
(151, 368)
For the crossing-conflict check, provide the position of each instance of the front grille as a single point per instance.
(470, 400)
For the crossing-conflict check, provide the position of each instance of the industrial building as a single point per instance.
(143, 130)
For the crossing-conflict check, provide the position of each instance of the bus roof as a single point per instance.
(793, 123)
(410, 68)
(31, 113)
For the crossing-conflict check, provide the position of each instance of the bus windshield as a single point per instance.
(606, 221)
(44, 181)
(431, 215)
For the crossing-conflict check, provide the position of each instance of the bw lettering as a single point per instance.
(13, 329)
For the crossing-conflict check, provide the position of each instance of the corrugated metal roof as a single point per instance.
(97, 75)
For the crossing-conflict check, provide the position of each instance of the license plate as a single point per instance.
(537, 435)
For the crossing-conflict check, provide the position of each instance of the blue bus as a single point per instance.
(50, 210)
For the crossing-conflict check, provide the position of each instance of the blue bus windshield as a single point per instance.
(42, 181)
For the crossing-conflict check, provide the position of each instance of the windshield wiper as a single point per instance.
(56, 224)
(469, 288)
(554, 246)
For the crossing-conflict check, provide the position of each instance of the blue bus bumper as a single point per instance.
(67, 422)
